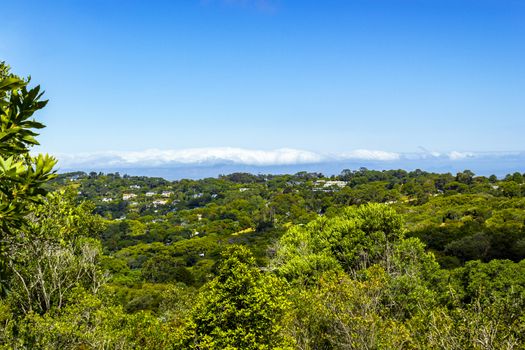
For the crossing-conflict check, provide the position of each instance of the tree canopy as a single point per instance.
(22, 175)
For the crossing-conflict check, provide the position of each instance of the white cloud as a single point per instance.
(155, 157)
(222, 154)
(214, 155)
(455, 155)
(370, 155)
(253, 157)
(426, 153)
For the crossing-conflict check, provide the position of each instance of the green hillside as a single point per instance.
(364, 260)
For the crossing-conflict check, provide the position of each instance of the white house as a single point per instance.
(340, 184)
(160, 202)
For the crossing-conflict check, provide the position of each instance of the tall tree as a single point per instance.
(242, 308)
(21, 174)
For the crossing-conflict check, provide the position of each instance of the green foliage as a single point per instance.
(358, 238)
(163, 268)
(404, 302)
(460, 228)
(357, 282)
(87, 323)
(21, 176)
(415, 280)
(201, 217)
(242, 308)
(54, 254)
(339, 312)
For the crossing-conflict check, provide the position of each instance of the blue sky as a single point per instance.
(329, 77)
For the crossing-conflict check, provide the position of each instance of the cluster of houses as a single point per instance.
(158, 199)
(328, 185)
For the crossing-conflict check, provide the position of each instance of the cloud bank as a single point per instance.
(193, 156)
(253, 157)
(369, 155)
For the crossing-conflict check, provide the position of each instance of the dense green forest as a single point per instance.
(362, 260)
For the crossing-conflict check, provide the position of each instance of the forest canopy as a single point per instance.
(363, 260)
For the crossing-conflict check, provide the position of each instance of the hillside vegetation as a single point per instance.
(363, 260)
